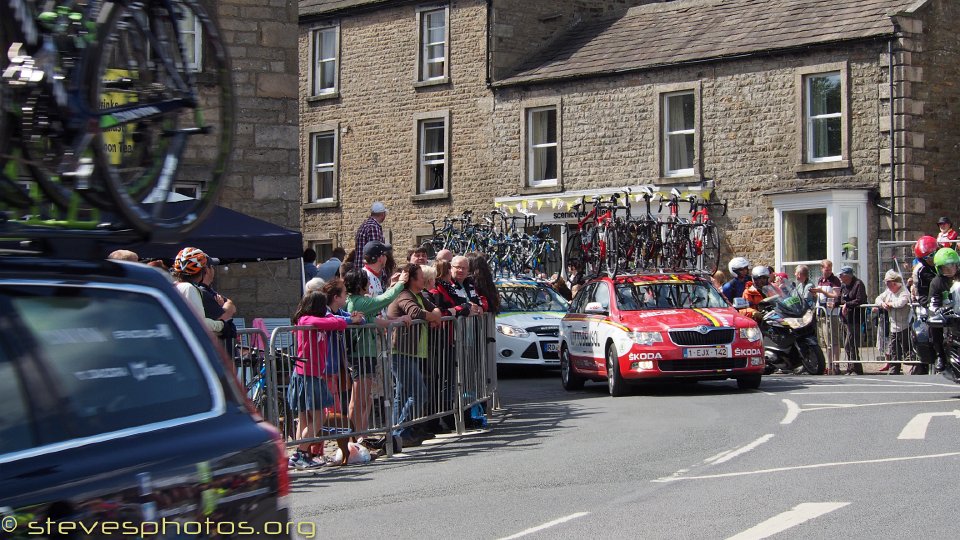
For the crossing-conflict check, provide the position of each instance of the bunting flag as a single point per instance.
(520, 206)
(509, 209)
(497, 205)
(539, 204)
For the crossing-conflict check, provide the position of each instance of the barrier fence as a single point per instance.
(866, 337)
(374, 380)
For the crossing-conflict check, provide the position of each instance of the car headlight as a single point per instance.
(646, 338)
(512, 331)
(751, 333)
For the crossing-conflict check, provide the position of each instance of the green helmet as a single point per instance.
(945, 256)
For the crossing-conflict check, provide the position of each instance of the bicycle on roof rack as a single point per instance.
(103, 109)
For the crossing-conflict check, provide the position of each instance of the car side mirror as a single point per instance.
(595, 308)
(740, 303)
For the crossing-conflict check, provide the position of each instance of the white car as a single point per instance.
(528, 325)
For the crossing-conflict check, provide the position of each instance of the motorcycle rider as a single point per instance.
(740, 270)
(923, 275)
(757, 290)
(946, 261)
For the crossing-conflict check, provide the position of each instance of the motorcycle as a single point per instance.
(949, 320)
(789, 331)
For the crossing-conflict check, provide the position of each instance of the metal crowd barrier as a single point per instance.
(382, 379)
(865, 338)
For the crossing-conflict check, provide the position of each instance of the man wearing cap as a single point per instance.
(188, 269)
(895, 301)
(374, 258)
(853, 294)
(371, 229)
(946, 233)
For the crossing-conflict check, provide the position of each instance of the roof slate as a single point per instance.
(696, 30)
(319, 7)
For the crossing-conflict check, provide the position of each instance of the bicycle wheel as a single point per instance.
(12, 194)
(612, 256)
(709, 247)
(157, 125)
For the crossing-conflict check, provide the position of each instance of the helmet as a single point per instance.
(925, 246)
(190, 261)
(760, 271)
(945, 256)
(737, 263)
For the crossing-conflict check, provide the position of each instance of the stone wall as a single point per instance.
(263, 176)
(375, 115)
(749, 145)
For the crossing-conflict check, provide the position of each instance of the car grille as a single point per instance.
(714, 336)
(545, 331)
(534, 352)
(702, 364)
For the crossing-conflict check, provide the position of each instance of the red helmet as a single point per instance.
(925, 246)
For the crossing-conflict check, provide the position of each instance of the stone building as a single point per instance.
(262, 178)
(826, 124)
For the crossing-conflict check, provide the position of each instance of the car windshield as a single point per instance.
(114, 357)
(640, 296)
(529, 297)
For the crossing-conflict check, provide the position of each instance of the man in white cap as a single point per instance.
(370, 230)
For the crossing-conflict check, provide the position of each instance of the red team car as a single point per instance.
(656, 327)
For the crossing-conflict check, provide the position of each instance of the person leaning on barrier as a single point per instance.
(307, 393)
(484, 283)
(853, 294)
(362, 360)
(946, 261)
(462, 290)
(895, 301)
(443, 293)
(410, 348)
(335, 371)
(828, 291)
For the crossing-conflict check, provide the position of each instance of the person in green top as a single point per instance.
(362, 358)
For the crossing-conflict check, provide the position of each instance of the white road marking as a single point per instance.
(793, 411)
(801, 467)
(718, 456)
(799, 514)
(955, 392)
(854, 405)
(546, 525)
(743, 450)
(916, 428)
(909, 382)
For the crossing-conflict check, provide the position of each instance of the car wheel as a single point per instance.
(749, 382)
(569, 379)
(614, 380)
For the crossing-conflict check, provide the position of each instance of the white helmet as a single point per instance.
(759, 271)
(737, 263)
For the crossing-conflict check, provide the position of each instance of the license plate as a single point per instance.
(551, 347)
(706, 352)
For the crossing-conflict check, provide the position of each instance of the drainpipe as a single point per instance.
(893, 153)
(489, 42)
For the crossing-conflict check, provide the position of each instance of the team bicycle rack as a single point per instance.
(102, 111)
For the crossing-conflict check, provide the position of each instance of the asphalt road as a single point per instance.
(803, 457)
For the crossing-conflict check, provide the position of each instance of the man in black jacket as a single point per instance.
(946, 261)
(853, 294)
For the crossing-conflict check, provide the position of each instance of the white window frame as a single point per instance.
(666, 133)
(423, 46)
(317, 59)
(804, 136)
(185, 186)
(810, 118)
(313, 186)
(835, 202)
(532, 146)
(425, 161)
(194, 64)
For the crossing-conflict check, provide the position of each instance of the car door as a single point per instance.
(595, 322)
(576, 323)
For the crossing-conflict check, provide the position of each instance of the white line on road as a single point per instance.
(820, 407)
(546, 525)
(793, 411)
(799, 514)
(879, 392)
(910, 383)
(743, 450)
(801, 467)
(916, 428)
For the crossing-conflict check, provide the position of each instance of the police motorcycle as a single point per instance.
(789, 331)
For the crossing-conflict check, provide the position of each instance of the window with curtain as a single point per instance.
(679, 130)
(191, 37)
(432, 149)
(804, 239)
(542, 146)
(433, 44)
(823, 117)
(323, 150)
(325, 61)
